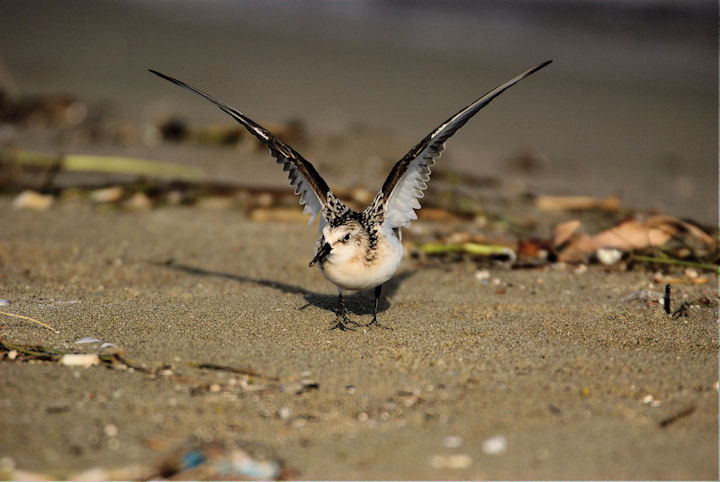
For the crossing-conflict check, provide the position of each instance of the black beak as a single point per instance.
(322, 253)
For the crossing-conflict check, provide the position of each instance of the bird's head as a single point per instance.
(341, 243)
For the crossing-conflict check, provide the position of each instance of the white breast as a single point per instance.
(359, 274)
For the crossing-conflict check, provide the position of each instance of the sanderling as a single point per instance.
(361, 250)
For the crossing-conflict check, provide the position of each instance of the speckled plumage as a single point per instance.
(360, 250)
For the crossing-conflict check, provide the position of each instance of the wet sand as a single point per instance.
(558, 363)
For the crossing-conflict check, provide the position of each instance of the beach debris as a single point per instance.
(473, 249)
(483, 276)
(28, 352)
(175, 129)
(660, 278)
(42, 110)
(667, 260)
(242, 371)
(107, 195)
(666, 299)
(577, 203)
(452, 441)
(23, 317)
(608, 256)
(214, 461)
(667, 421)
(532, 248)
(651, 401)
(454, 461)
(220, 461)
(87, 339)
(683, 309)
(630, 235)
(138, 201)
(4, 302)
(84, 360)
(33, 200)
(303, 386)
(107, 164)
(564, 231)
(494, 445)
(110, 430)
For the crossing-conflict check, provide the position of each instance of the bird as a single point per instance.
(359, 250)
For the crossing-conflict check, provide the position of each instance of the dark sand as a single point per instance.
(559, 364)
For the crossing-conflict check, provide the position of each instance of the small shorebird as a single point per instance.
(361, 250)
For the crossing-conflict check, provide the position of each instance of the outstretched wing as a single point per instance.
(304, 178)
(409, 176)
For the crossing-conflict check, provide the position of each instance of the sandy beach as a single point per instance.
(216, 328)
(558, 364)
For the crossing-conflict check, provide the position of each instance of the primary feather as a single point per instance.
(304, 178)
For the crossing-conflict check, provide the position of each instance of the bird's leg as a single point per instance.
(341, 319)
(374, 321)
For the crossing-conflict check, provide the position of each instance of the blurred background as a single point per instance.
(629, 106)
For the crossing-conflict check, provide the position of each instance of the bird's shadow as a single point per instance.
(359, 303)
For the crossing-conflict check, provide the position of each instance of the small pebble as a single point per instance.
(494, 445)
(107, 195)
(691, 273)
(608, 255)
(110, 430)
(284, 413)
(482, 275)
(138, 201)
(582, 268)
(12, 354)
(33, 200)
(214, 387)
(80, 360)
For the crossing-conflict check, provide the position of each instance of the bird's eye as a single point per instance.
(347, 237)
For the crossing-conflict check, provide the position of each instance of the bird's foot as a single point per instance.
(374, 323)
(342, 322)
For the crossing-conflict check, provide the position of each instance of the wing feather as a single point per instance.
(304, 178)
(409, 176)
